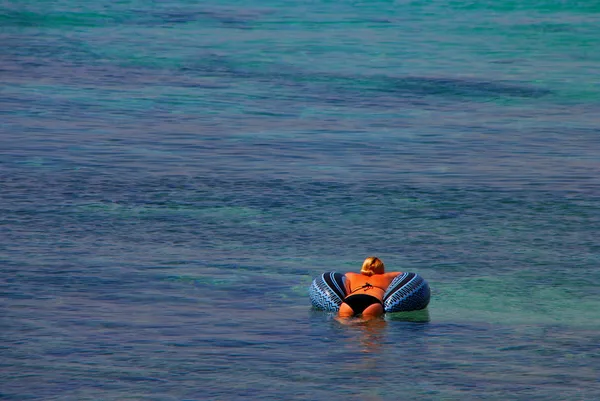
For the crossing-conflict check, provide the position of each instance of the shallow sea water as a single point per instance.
(173, 175)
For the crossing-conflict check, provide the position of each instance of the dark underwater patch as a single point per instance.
(347, 87)
(460, 87)
(240, 19)
(28, 19)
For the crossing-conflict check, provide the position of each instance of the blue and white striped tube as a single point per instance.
(327, 292)
(407, 292)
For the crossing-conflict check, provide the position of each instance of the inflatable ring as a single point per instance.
(407, 292)
(327, 292)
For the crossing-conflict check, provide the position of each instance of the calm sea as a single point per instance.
(174, 174)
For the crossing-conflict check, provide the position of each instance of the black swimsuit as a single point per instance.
(360, 302)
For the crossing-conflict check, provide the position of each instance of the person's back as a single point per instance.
(366, 290)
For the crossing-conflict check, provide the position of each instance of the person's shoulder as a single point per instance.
(352, 274)
(393, 274)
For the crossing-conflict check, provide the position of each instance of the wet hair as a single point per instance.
(372, 265)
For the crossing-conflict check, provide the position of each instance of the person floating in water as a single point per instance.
(365, 290)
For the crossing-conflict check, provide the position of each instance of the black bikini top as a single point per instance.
(367, 286)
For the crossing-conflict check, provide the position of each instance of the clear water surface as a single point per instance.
(174, 174)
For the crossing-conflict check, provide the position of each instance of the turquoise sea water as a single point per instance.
(174, 174)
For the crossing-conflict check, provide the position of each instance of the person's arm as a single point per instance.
(347, 282)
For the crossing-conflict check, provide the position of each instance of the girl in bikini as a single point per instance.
(365, 290)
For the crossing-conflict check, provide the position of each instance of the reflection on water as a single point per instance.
(370, 333)
(418, 316)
